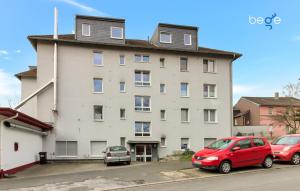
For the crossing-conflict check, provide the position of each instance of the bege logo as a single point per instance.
(268, 21)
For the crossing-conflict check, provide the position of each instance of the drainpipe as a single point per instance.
(1, 140)
(231, 96)
(55, 37)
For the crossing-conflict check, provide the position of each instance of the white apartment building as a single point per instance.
(99, 89)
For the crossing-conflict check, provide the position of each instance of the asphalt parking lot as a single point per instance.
(96, 176)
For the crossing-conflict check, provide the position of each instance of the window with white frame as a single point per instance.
(122, 113)
(66, 148)
(162, 62)
(122, 87)
(183, 64)
(165, 37)
(163, 141)
(116, 32)
(142, 78)
(122, 60)
(184, 89)
(97, 147)
(209, 66)
(185, 115)
(98, 85)
(141, 58)
(187, 38)
(210, 115)
(142, 103)
(142, 128)
(162, 88)
(209, 90)
(98, 58)
(98, 112)
(185, 143)
(163, 115)
(86, 29)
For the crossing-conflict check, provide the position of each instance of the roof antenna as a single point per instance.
(55, 34)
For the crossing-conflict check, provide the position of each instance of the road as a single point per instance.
(268, 180)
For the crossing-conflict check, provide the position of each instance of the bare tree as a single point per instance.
(292, 89)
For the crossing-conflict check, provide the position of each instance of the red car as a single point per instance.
(287, 148)
(234, 152)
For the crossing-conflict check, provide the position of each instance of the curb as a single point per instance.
(194, 178)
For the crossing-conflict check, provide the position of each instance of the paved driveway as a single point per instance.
(111, 177)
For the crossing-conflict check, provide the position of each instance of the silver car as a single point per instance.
(116, 154)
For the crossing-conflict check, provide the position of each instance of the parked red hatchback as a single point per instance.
(287, 148)
(234, 152)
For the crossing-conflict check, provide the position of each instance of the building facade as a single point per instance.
(155, 97)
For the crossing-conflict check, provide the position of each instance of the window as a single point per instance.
(183, 64)
(86, 29)
(208, 141)
(66, 148)
(163, 141)
(116, 32)
(243, 144)
(162, 63)
(98, 85)
(210, 116)
(184, 89)
(162, 88)
(142, 78)
(270, 110)
(141, 58)
(97, 147)
(209, 90)
(122, 141)
(187, 38)
(185, 143)
(142, 103)
(122, 60)
(163, 115)
(258, 142)
(165, 37)
(98, 59)
(209, 66)
(98, 112)
(122, 113)
(122, 87)
(184, 115)
(142, 128)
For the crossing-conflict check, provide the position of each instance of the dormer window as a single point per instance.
(116, 32)
(187, 39)
(165, 37)
(86, 29)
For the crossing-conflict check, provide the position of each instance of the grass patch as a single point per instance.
(186, 155)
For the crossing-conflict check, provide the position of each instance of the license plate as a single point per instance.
(197, 162)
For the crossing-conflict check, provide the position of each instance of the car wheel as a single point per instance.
(128, 162)
(107, 164)
(268, 162)
(225, 167)
(295, 159)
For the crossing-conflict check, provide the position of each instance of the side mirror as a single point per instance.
(236, 148)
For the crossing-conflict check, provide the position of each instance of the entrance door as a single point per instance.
(143, 153)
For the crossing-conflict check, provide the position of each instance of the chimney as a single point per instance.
(276, 95)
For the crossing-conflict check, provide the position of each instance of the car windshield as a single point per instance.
(286, 141)
(117, 148)
(220, 144)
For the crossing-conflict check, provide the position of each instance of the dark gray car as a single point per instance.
(116, 154)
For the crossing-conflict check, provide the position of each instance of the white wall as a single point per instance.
(29, 146)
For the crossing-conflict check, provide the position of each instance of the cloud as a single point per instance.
(296, 38)
(18, 51)
(3, 52)
(83, 7)
(9, 89)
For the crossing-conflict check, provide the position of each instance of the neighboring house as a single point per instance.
(262, 111)
(21, 139)
(99, 89)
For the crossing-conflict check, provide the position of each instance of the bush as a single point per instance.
(187, 155)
